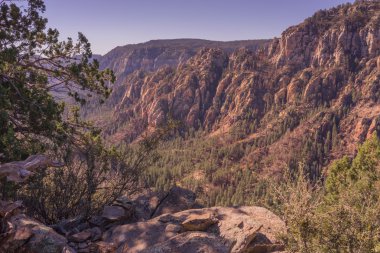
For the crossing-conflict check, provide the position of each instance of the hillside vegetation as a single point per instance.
(191, 145)
(248, 114)
(340, 215)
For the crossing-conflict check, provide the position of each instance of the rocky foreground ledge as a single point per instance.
(216, 229)
(208, 230)
(152, 222)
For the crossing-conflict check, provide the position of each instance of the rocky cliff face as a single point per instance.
(323, 70)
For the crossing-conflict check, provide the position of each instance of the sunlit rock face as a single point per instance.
(330, 61)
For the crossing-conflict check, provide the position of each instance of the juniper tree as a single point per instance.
(43, 83)
(35, 69)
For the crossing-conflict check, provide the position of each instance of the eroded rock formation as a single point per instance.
(326, 67)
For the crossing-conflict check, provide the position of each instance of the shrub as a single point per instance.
(341, 216)
(93, 176)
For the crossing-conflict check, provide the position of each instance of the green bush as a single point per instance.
(341, 215)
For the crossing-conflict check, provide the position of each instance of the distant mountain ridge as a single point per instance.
(152, 55)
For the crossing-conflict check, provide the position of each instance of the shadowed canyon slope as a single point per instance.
(312, 93)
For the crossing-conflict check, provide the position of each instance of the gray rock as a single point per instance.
(114, 213)
(81, 236)
(195, 242)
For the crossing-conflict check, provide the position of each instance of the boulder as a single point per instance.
(85, 241)
(28, 235)
(114, 213)
(240, 226)
(121, 211)
(199, 222)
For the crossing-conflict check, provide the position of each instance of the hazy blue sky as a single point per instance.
(111, 23)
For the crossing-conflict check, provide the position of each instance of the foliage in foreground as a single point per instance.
(43, 84)
(93, 176)
(38, 74)
(343, 215)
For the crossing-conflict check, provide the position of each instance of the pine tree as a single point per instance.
(327, 143)
(334, 135)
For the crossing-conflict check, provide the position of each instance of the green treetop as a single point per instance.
(35, 66)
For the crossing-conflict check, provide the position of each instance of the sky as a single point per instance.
(111, 23)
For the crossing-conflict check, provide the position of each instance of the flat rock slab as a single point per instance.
(236, 227)
(139, 236)
(190, 242)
